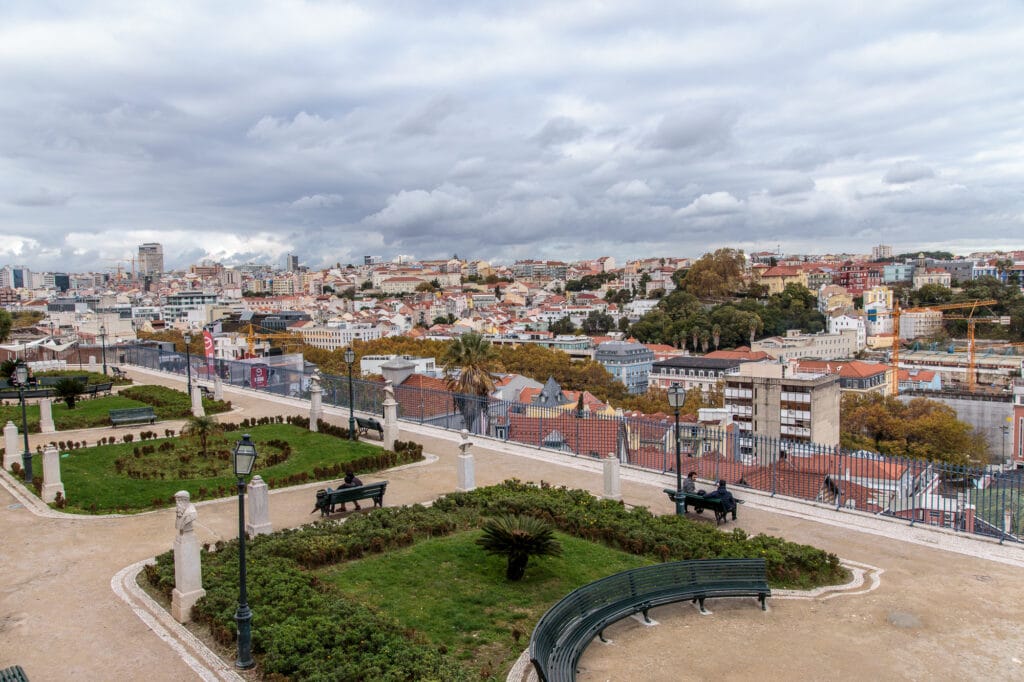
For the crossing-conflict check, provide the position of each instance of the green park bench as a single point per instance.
(370, 424)
(326, 501)
(13, 674)
(700, 503)
(132, 415)
(565, 631)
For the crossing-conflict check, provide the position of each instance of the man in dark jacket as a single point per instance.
(351, 481)
(728, 501)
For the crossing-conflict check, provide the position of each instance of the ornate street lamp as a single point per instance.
(21, 376)
(676, 398)
(244, 457)
(103, 345)
(350, 357)
(188, 362)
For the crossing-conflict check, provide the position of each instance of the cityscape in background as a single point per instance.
(869, 341)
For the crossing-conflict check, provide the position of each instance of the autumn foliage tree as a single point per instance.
(921, 429)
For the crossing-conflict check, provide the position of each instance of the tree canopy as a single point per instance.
(920, 428)
(716, 274)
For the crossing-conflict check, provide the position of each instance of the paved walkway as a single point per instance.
(934, 615)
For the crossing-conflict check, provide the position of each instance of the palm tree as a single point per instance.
(467, 364)
(716, 335)
(518, 538)
(68, 390)
(202, 429)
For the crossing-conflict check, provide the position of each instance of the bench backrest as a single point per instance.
(131, 412)
(357, 493)
(633, 586)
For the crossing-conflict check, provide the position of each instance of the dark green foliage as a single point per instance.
(517, 538)
(305, 629)
(68, 390)
(172, 404)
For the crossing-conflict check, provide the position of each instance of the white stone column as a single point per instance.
(315, 397)
(466, 465)
(12, 445)
(93, 367)
(188, 568)
(51, 475)
(612, 485)
(1007, 520)
(257, 511)
(218, 388)
(390, 416)
(46, 416)
(197, 402)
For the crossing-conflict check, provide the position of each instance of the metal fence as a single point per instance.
(970, 499)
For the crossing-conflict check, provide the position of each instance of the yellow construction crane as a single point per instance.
(971, 348)
(252, 337)
(897, 311)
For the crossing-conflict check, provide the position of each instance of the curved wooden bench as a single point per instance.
(565, 631)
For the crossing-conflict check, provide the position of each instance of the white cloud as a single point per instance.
(630, 189)
(716, 203)
(906, 172)
(317, 201)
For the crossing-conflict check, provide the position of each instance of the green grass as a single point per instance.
(93, 483)
(454, 593)
(87, 413)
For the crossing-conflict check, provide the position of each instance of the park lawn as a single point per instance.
(458, 596)
(94, 485)
(87, 413)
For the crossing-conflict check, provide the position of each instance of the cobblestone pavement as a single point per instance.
(933, 614)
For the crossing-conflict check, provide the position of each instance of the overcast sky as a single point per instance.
(245, 130)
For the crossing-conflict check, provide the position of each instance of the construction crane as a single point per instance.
(119, 261)
(971, 348)
(897, 311)
(252, 337)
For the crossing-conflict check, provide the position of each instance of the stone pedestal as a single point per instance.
(93, 367)
(51, 475)
(612, 485)
(12, 445)
(218, 388)
(315, 396)
(188, 570)
(197, 402)
(257, 510)
(465, 465)
(46, 416)
(390, 405)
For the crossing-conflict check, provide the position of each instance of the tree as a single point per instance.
(518, 538)
(468, 364)
(597, 322)
(921, 428)
(5, 325)
(68, 390)
(716, 274)
(202, 429)
(563, 326)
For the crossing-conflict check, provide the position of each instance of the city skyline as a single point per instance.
(560, 131)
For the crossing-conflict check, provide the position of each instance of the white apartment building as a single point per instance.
(922, 324)
(843, 322)
(371, 364)
(330, 337)
(822, 346)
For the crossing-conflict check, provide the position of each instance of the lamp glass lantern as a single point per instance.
(244, 456)
(21, 373)
(676, 396)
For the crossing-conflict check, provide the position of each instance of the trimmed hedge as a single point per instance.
(306, 630)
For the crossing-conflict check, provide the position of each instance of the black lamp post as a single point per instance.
(350, 357)
(676, 398)
(103, 345)
(244, 457)
(188, 362)
(21, 376)
(1005, 429)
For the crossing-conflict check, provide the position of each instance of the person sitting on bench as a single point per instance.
(351, 481)
(728, 501)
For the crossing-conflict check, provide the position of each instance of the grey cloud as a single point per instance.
(42, 197)
(559, 130)
(426, 120)
(697, 128)
(906, 172)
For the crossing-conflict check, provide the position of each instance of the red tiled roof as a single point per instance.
(597, 437)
